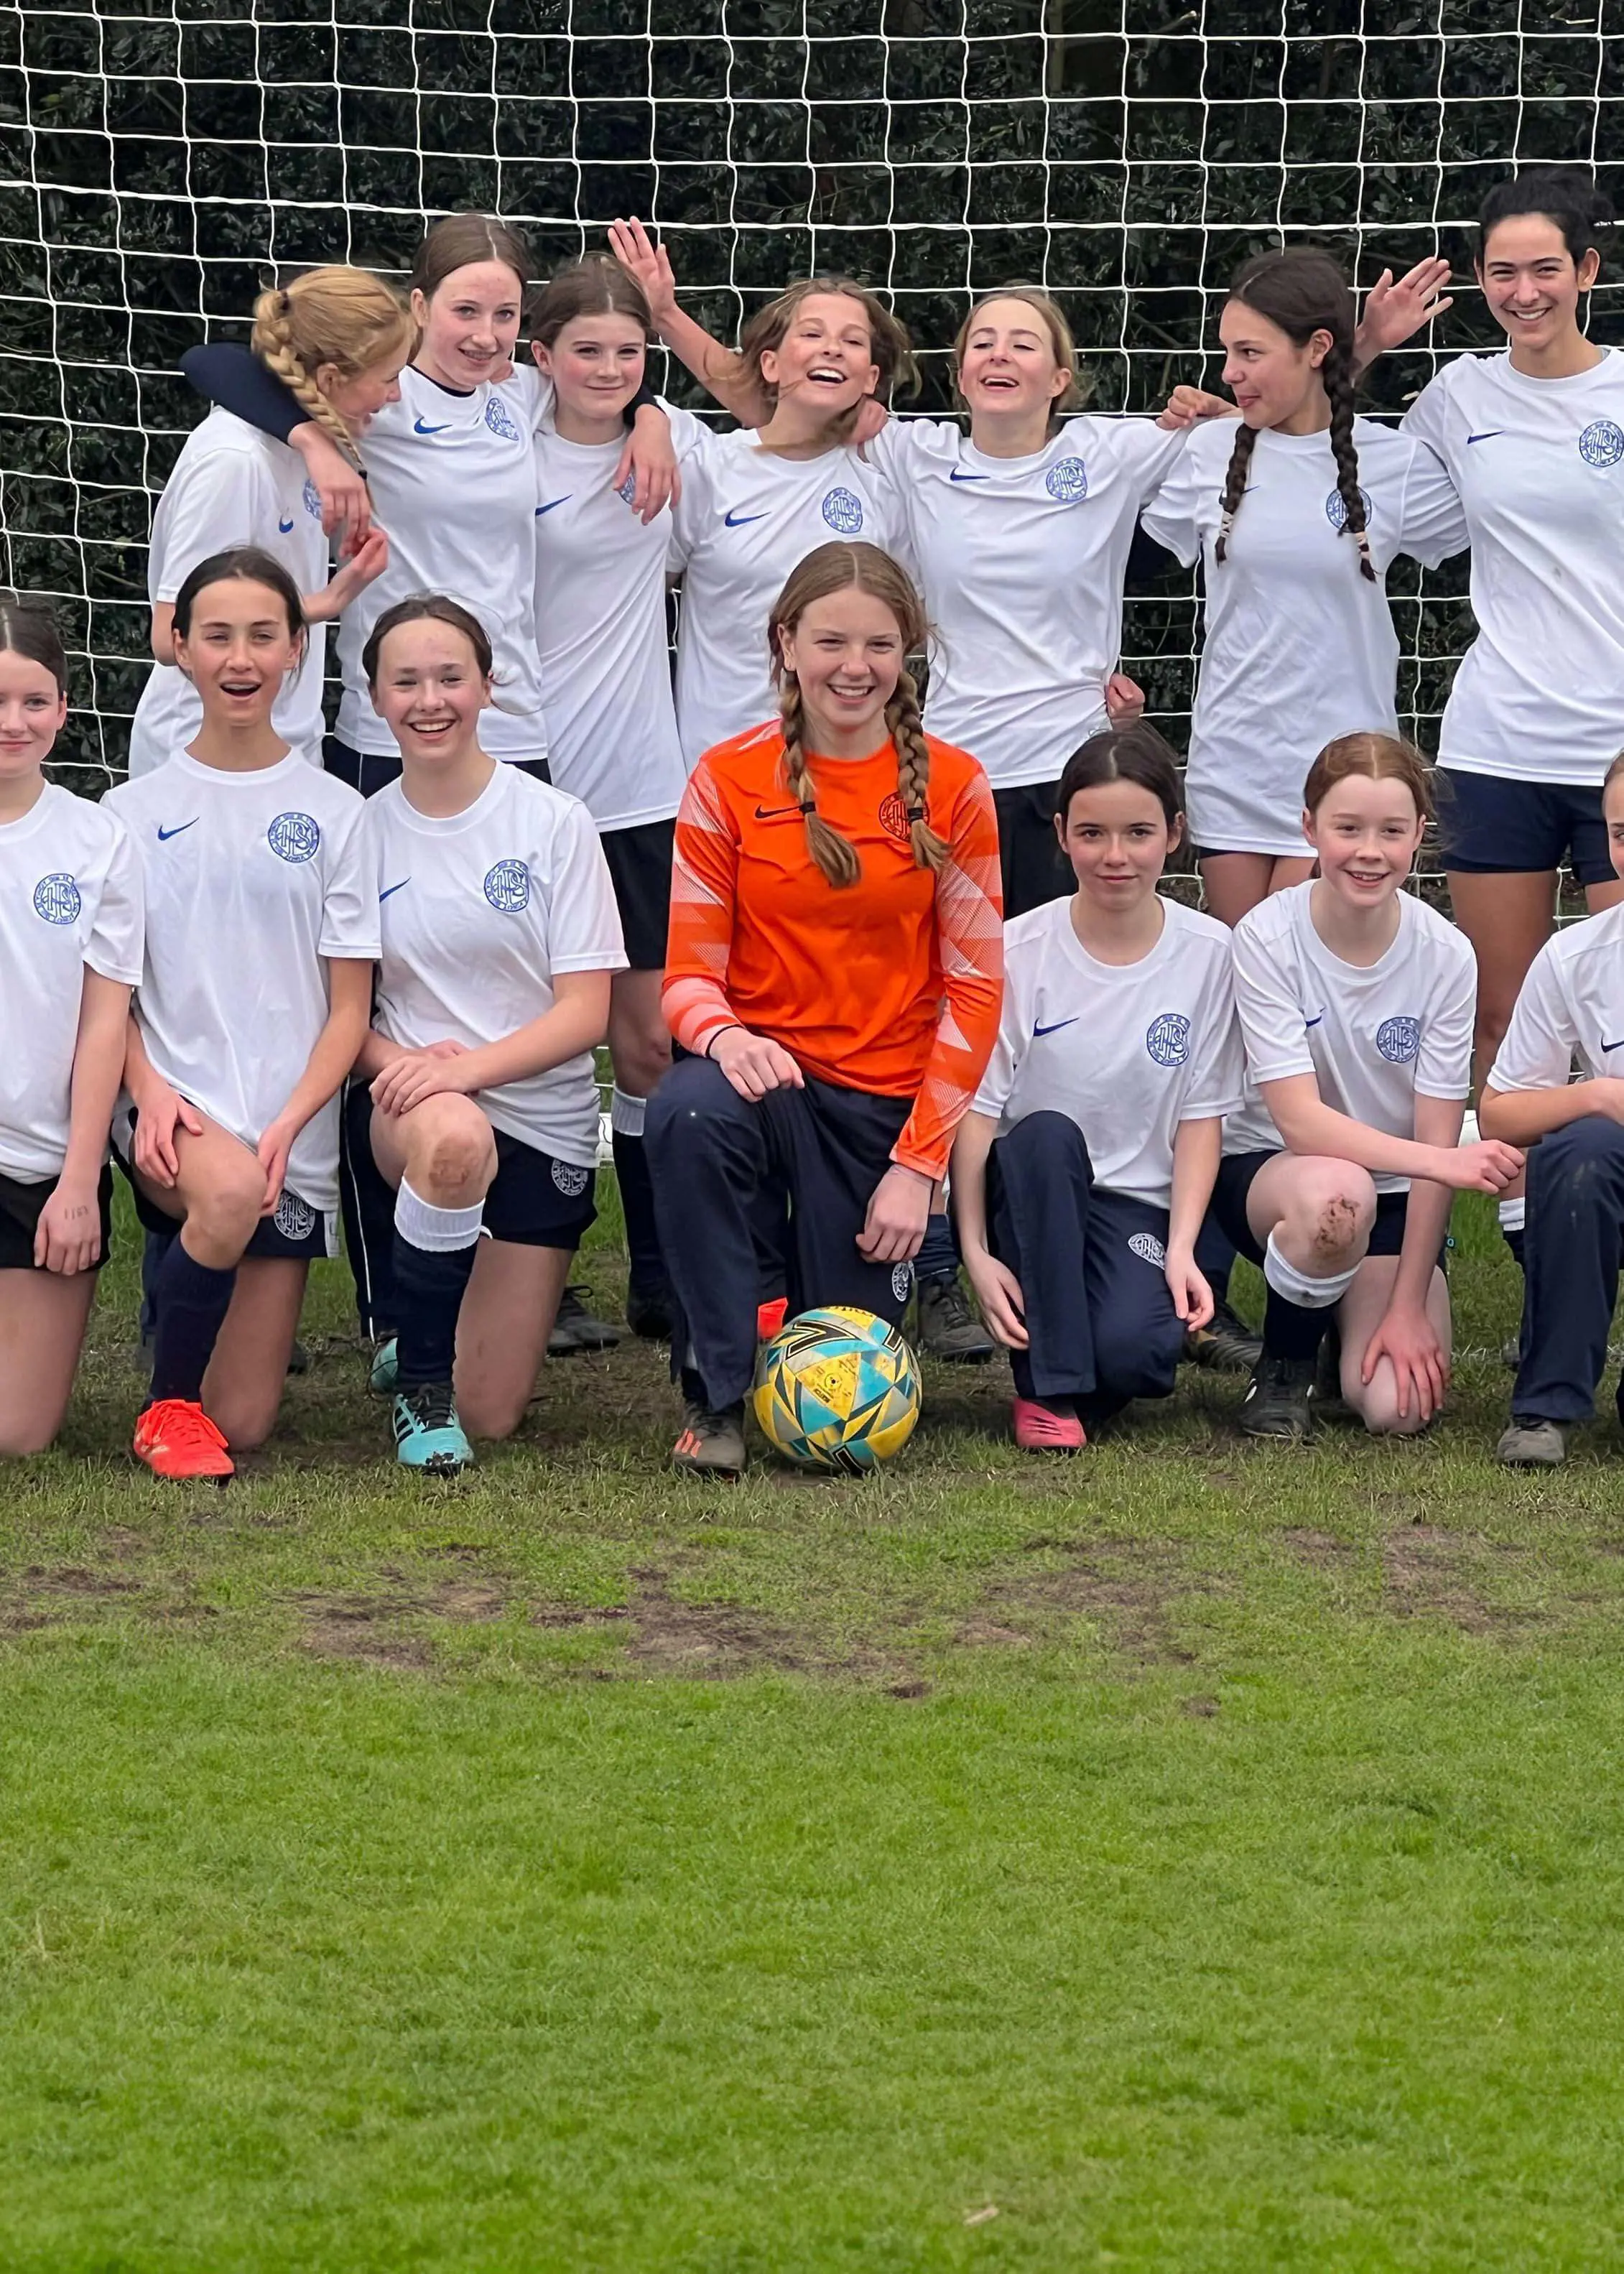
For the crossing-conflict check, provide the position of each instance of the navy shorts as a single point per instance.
(1235, 1172)
(1492, 827)
(21, 1206)
(640, 863)
(1034, 870)
(294, 1232)
(534, 1199)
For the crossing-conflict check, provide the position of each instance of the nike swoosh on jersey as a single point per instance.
(419, 428)
(774, 812)
(1488, 435)
(554, 502)
(738, 520)
(1619, 1045)
(164, 835)
(1314, 1021)
(390, 888)
(286, 528)
(955, 476)
(1054, 1026)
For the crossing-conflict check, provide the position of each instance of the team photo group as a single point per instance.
(865, 899)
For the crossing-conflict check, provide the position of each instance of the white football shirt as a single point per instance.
(600, 625)
(233, 486)
(251, 880)
(1539, 466)
(1373, 1038)
(747, 517)
(1022, 561)
(1127, 1051)
(1571, 1007)
(69, 902)
(452, 480)
(479, 913)
(1299, 646)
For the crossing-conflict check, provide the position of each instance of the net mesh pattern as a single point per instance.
(160, 163)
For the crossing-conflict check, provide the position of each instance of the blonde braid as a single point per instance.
(272, 341)
(834, 854)
(913, 773)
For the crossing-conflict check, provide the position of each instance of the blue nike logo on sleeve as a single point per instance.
(1619, 1045)
(1054, 1026)
(419, 428)
(286, 528)
(1488, 435)
(955, 476)
(389, 889)
(554, 502)
(738, 520)
(164, 835)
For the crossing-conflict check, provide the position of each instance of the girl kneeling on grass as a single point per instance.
(1356, 1001)
(71, 930)
(500, 939)
(835, 971)
(1571, 1007)
(1082, 1173)
(261, 931)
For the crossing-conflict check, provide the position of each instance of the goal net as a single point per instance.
(161, 159)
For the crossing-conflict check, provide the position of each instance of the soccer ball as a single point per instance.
(836, 1388)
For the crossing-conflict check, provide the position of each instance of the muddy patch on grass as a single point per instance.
(710, 1639)
(1129, 1588)
(1321, 1549)
(1428, 1572)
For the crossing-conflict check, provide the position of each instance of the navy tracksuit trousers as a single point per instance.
(1097, 1309)
(738, 1185)
(1573, 1249)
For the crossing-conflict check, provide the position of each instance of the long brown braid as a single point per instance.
(1302, 291)
(335, 315)
(864, 568)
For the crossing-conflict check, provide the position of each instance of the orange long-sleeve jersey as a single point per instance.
(893, 985)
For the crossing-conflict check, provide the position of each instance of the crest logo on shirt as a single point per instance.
(628, 488)
(57, 899)
(901, 1281)
(1067, 481)
(1336, 511)
(1167, 1038)
(499, 419)
(843, 511)
(294, 1219)
(1602, 442)
(894, 816)
(1398, 1040)
(294, 837)
(508, 887)
(312, 499)
(1148, 1248)
(570, 1180)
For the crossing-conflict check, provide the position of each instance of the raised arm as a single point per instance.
(717, 371)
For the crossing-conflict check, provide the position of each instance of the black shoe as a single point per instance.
(1225, 1345)
(947, 1325)
(647, 1313)
(575, 1329)
(1329, 1403)
(1278, 1400)
(711, 1443)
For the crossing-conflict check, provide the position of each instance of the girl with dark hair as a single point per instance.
(71, 936)
(335, 340)
(262, 933)
(1296, 514)
(833, 976)
(449, 474)
(606, 681)
(1355, 1004)
(1083, 1170)
(477, 1098)
(1533, 439)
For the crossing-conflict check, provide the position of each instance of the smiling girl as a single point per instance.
(1083, 1169)
(477, 1096)
(71, 934)
(1533, 439)
(336, 339)
(1355, 1002)
(262, 933)
(834, 978)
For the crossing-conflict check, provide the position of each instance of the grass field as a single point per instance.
(1199, 1855)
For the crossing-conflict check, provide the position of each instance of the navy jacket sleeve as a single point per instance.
(239, 382)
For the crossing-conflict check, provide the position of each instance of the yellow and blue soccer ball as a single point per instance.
(836, 1388)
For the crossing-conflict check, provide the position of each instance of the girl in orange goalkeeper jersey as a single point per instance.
(834, 978)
